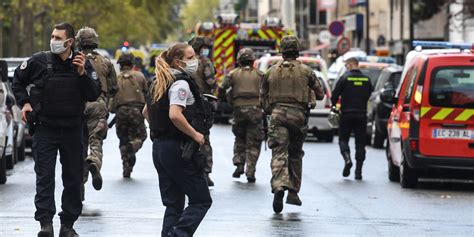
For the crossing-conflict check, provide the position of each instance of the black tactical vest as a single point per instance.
(196, 114)
(61, 95)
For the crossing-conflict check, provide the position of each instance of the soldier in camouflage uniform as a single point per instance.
(96, 113)
(285, 94)
(244, 82)
(128, 104)
(204, 77)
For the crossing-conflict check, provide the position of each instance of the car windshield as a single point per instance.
(452, 87)
(372, 73)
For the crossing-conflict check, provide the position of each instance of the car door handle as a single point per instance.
(451, 125)
(471, 145)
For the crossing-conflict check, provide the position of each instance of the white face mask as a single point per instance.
(191, 66)
(57, 47)
(205, 52)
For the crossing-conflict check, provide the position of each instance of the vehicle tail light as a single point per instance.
(414, 145)
(416, 107)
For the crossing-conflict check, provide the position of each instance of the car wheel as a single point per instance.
(3, 168)
(21, 151)
(9, 162)
(393, 170)
(408, 176)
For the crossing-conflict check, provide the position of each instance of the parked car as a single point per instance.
(5, 119)
(23, 138)
(318, 123)
(378, 111)
(431, 125)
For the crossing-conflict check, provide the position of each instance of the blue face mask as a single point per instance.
(205, 52)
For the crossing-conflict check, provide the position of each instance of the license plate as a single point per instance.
(453, 133)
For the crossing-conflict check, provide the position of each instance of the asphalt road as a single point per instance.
(332, 205)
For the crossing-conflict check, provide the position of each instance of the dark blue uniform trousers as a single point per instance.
(47, 141)
(179, 178)
(357, 123)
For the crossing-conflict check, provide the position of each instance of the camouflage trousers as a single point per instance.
(131, 131)
(287, 132)
(95, 114)
(248, 131)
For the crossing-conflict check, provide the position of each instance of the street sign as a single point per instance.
(343, 45)
(336, 28)
(325, 37)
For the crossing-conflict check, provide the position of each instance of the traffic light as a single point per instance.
(125, 46)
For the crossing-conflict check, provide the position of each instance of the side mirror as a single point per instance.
(388, 94)
(3, 70)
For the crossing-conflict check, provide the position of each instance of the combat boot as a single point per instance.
(278, 200)
(209, 181)
(251, 179)
(239, 170)
(293, 198)
(46, 230)
(127, 172)
(96, 177)
(67, 231)
(358, 171)
(347, 164)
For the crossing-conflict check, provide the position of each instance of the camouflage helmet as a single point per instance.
(198, 42)
(126, 58)
(246, 54)
(86, 37)
(290, 43)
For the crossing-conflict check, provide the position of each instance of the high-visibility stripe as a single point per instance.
(424, 111)
(443, 113)
(222, 38)
(271, 34)
(229, 51)
(262, 34)
(465, 115)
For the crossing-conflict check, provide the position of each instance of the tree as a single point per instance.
(30, 22)
(198, 11)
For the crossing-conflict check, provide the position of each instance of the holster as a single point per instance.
(32, 122)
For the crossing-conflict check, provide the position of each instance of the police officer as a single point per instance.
(285, 95)
(354, 88)
(177, 117)
(96, 113)
(62, 81)
(244, 82)
(204, 77)
(128, 105)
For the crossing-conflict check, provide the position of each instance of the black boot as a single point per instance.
(67, 231)
(209, 181)
(358, 171)
(96, 177)
(293, 198)
(46, 230)
(278, 200)
(347, 164)
(238, 171)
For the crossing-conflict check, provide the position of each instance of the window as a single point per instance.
(452, 87)
(411, 84)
